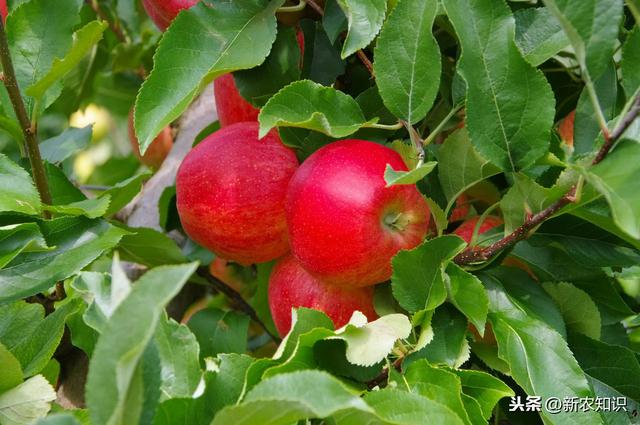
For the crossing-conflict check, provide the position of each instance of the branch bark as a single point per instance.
(28, 128)
(477, 255)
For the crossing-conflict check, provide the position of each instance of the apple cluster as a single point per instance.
(331, 223)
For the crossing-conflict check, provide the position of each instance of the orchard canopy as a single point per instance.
(319, 212)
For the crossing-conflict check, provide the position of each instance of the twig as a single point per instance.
(114, 26)
(28, 128)
(384, 375)
(236, 298)
(476, 255)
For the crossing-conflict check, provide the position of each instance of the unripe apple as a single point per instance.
(231, 106)
(163, 12)
(157, 150)
(565, 128)
(230, 192)
(465, 230)
(345, 225)
(291, 286)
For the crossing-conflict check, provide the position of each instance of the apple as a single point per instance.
(157, 150)
(291, 286)
(163, 12)
(460, 210)
(230, 192)
(3, 10)
(465, 230)
(565, 128)
(345, 225)
(231, 106)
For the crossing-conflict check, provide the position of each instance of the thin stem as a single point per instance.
(384, 375)
(312, 4)
(236, 298)
(416, 140)
(396, 126)
(114, 26)
(622, 126)
(297, 8)
(441, 126)
(28, 127)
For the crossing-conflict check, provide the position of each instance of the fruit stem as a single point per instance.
(290, 9)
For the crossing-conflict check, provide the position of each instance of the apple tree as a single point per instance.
(341, 212)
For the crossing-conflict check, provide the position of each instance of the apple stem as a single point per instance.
(28, 126)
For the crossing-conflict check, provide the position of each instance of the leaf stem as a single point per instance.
(28, 127)
(290, 9)
(236, 298)
(478, 255)
(114, 26)
(396, 126)
(440, 126)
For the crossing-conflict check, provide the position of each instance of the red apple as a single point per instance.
(291, 286)
(461, 209)
(231, 106)
(163, 12)
(465, 230)
(345, 225)
(157, 150)
(3, 10)
(565, 128)
(230, 193)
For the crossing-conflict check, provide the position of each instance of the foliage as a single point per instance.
(472, 94)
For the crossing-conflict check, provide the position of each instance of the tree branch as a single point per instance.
(235, 298)
(384, 375)
(476, 255)
(28, 128)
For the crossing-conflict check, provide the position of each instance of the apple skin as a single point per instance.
(340, 213)
(465, 230)
(4, 10)
(163, 12)
(461, 209)
(157, 150)
(231, 190)
(565, 128)
(231, 106)
(291, 286)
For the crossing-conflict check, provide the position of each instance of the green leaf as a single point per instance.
(418, 274)
(616, 178)
(83, 41)
(407, 60)
(510, 109)
(17, 238)
(468, 295)
(179, 356)
(38, 34)
(393, 177)
(370, 343)
(586, 127)
(322, 62)
(287, 398)
(281, 68)
(631, 62)
(461, 166)
(305, 104)
(220, 331)
(365, 19)
(524, 198)
(59, 419)
(334, 21)
(149, 247)
(615, 366)
(486, 389)
(123, 342)
(538, 356)
(36, 348)
(231, 36)
(579, 311)
(122, 193)
(91, 208)
(78, 242)
(592, 28)
(11, 372)
(439, 385)
(539, 35)
(449, 344)
(24, 404)
(72, 140)
(303, 320)
(17, 192)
